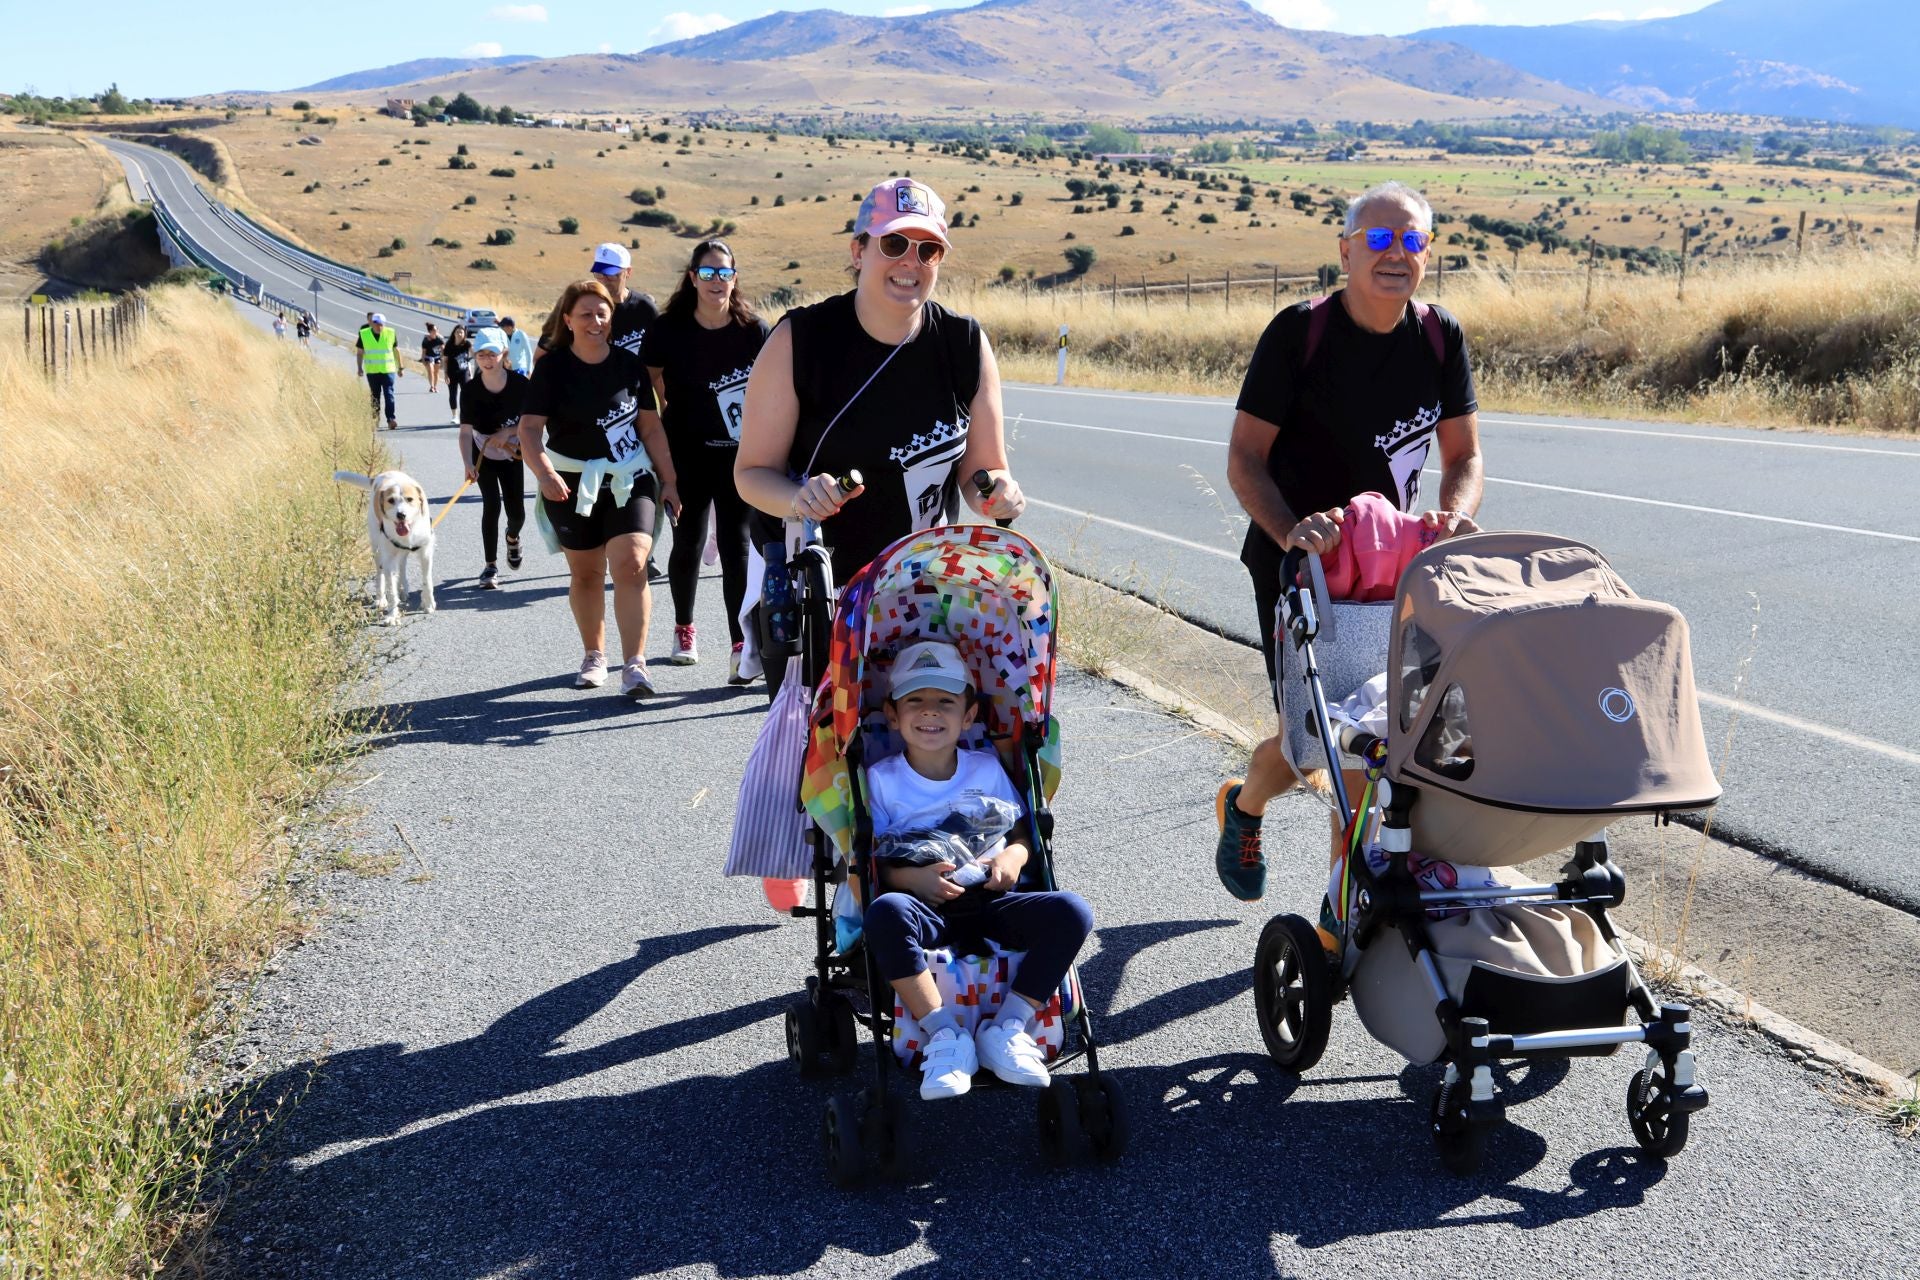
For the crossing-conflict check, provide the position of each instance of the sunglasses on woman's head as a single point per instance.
(704, 274)
(894, 245)
(1380, 239)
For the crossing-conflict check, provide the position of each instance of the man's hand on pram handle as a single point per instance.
(1001, 499)
(1449, 523)
(1319, 532)
(823, 495)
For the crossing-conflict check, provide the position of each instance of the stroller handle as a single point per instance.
(849, 482)
(983, 485)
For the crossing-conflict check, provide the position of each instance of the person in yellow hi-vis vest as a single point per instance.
(375, 354)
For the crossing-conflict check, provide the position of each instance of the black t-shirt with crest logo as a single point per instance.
(592, 410)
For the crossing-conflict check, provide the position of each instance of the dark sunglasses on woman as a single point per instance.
(704, 274)
(894, 245)
(1380, 239)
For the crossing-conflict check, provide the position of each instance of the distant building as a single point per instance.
(1336, 155)
(554, 122)
(400, 108)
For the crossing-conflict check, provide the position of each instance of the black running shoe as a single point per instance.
(513, 552)
(490, 578)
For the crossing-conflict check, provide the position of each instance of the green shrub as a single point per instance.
(483, 264)
(501, 173)
(569, 226)
(500, 235)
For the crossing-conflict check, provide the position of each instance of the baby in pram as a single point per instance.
(941, 818)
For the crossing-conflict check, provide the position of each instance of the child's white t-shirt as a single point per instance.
(901, 800)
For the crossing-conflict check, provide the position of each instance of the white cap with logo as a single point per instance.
(611, 259)
(928, 664)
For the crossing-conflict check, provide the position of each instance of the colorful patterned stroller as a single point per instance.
(989, 592)
(1531, 698)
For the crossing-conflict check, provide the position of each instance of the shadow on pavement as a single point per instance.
(508, 716)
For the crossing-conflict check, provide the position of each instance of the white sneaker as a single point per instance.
(949, 1066)
(685, 653)
(593, 670)
(1006, 1049)
(634, 681)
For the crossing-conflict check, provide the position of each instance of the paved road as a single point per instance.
(549, 1044)
(1788, 552)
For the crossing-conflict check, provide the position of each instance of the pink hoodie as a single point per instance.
(1377, 541)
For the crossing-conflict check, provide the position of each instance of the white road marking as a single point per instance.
(1909, 454)
(1134, 528)
(1495, 420)
(1841, 736)
(1524, 484)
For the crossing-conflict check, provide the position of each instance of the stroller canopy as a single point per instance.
(987, 591)
(1525, 675)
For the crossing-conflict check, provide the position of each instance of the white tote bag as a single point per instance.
(769, 826)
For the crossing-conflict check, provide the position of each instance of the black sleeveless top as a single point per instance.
(905, 433)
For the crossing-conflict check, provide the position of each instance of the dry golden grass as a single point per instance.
(174, 624)
(49, 184)
(719, 174)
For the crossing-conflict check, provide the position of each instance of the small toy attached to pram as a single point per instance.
(988, 592)
(1530, 699)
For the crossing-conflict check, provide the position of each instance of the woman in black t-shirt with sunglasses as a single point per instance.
(881, 380)
(699, 353)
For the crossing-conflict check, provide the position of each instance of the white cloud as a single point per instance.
(1457, 10)
(605, 46)
(518, 13)
(907, 11)
(685, 26)
(1647, 14)
(1302, 15)
(485, 49)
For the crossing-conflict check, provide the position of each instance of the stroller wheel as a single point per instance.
(1660, 1131)
(843, 1035)
(1292, 992)
(1103, 1115)
(806, 1036)
(1062, 1140)
(840, 1142)
(884, 1134)
(1461, 1142)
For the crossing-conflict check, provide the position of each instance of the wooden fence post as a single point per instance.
(1593, 249)
(1229, 289)
(1276, 288)
(66, 331)
(1189, 290)
(1800, 237)
(1686, 237)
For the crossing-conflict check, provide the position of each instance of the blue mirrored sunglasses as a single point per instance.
(1379, 239)
(713, 273)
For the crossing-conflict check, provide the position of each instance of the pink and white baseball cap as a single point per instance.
(901, 204)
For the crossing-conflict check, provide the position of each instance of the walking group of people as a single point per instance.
(628, 415)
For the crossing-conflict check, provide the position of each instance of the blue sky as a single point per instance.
(269, 45)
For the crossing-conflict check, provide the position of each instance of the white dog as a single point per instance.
(398, 528)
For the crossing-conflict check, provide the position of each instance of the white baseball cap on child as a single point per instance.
(928, 664)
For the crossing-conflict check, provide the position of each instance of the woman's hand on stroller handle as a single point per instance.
(1001, 499)
(822, 496)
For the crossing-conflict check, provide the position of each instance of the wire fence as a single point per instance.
(64, 333)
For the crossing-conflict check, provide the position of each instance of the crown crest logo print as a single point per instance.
(1422, 420)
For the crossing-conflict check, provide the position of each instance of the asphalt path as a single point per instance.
(1789, 553)
(549, 1043)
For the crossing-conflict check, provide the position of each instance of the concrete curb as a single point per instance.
(1805, 1046)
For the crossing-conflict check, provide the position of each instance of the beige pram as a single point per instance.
(1530, 699)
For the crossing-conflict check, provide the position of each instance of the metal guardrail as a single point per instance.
(327, 268)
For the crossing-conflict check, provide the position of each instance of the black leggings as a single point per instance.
(453, 391)
(502, 483)
(704, 480)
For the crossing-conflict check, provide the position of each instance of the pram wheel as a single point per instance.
(840, 1142)
(807, 1032)
(1103, 1116)
(1292, 993)
(1062, 1140)
(1660, 1130)
(1462, 1143)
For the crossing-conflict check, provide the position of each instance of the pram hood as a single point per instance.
(1524, 674)
(987, 591)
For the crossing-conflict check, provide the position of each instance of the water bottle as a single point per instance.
(778, 603)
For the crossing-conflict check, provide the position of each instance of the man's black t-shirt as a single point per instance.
(488, 412)
(592, 410)
(705, 375)
(1360, 417)
(632, 316)
(905, 433)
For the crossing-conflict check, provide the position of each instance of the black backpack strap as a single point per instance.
(1436, 336)
(1317, 316)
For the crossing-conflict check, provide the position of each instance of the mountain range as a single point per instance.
(1146, 60)
(1837, 60)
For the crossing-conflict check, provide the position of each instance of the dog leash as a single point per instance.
(450, 501)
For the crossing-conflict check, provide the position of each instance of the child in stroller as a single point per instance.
(985, 596)
(940, 818)
(1530, 698)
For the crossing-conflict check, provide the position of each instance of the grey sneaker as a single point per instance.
(490, 578)
(593, 670)
(634, 682)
